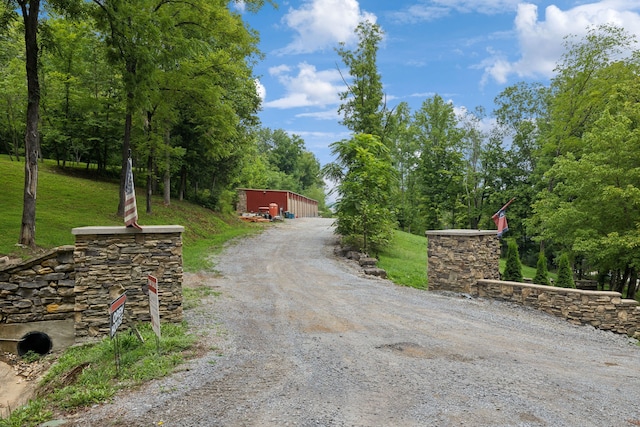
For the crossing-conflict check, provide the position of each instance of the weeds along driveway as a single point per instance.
(299, 337)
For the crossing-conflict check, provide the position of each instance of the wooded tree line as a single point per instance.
(171, 83)
(569, 151)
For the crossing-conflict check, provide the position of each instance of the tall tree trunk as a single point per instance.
(149, 192)
(30, 10)
(183, 183)
(633, 284)
(167, 168)
(13, 132)
(149, 179)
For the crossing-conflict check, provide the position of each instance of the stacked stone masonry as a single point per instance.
(600, 309)
(467, 261)
(112, 260)
(39, 289)
(457, 259)
(80, 282)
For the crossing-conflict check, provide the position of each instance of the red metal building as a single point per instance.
(254, 200)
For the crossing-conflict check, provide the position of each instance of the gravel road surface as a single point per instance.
(299, 337)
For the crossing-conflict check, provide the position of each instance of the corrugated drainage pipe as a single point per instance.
(35, 341)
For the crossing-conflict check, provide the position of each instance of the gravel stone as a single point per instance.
(301, 337)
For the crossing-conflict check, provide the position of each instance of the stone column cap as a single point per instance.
(461, 232)
(146, 229)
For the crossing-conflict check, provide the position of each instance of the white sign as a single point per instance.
(116, 314)
(154, 304)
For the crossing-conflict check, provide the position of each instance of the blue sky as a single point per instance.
(467, 51)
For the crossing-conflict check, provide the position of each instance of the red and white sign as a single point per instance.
(154, 304)
(116, 314)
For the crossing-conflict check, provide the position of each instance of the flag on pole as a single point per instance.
(500, 219)
(130, 208)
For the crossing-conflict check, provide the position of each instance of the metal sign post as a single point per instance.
(154, 307)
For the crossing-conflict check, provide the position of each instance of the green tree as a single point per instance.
(363, 172)
(521, 120)
(12, 86)
(581, 88)
(590, 204)
(513, 268)
(362, 108)
(542, 274)
(189, 62)
(565, 275)
(403, 147)
(440, 169)
(80, 105)
(30, 10)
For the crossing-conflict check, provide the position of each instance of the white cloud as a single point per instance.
(322, 115)
(322, 24)
(308, 88)
(541, 42)
(240, 5)
(430, 10)
(261, 90)
(422, 94)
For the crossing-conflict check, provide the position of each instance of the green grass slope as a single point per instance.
(405, 260)
(66, 201)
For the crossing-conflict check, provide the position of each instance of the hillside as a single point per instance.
(66, 200)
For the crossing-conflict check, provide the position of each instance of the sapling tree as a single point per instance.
(513, 269)
(542, 274)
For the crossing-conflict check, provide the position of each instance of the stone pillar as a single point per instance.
(111, 260)
(457, 259)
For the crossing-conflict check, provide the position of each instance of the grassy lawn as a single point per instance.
(66, 201)
(405, 261)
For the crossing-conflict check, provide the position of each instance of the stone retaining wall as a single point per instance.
(39, 289)
(112, 260)
(457, 259)
(603, 310)
(467, 261)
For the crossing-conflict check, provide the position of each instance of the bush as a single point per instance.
(513, 269)
(565, 275)
(542, 274)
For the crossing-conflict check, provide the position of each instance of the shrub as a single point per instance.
(542, 274)
(513, 268)
(565, 275)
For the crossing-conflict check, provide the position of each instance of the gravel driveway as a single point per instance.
(298, 337)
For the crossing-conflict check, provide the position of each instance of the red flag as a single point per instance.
(500, 219)
(130, 207)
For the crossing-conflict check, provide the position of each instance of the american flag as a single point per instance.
(500, 219)
(130, 208)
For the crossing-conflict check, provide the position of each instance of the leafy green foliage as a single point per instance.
(589, 205)
(363, 171)
(513, 268)
(440, 168)
(32, 414)
(283, 162)
(565, 275)
(542, 273)
(362, 107)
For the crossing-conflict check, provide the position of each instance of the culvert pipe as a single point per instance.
(35, 341)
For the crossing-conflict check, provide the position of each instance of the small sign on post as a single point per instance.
(154, 304)
(116, 314)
